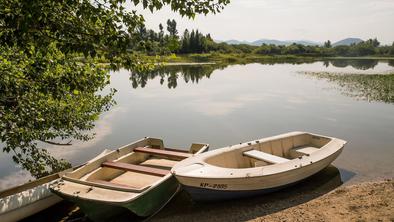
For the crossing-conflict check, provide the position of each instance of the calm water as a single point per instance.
(227, 105)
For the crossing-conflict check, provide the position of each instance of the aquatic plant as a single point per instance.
(371, 87)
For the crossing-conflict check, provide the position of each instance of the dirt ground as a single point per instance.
(369, 201)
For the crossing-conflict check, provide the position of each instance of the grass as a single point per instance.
(361, 57)
(232, 58)
(371, 87)
(244, 58)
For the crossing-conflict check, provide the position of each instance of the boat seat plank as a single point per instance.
(168, 153)
(176, 150)
(265, 156)
(111, 184)
(305, 149)
(135, 168)
(159, 163)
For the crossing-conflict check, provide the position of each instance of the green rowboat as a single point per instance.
(135, 178)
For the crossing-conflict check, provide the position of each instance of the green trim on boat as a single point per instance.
(144, 206)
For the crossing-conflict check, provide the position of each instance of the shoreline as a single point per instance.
(250, 58)
(364, 201)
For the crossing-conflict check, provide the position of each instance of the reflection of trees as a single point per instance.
(340, 63)
(290, 60)
(391, 62)
(362, 64)
(190, 73)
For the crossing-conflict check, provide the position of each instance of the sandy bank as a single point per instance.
(369, 201)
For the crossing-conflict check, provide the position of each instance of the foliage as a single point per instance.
(50, 85)
(47, 96)
(195, 42)
(327, 44)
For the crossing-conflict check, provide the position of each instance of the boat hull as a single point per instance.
(144, 206)
(29, 209)
(207, 195)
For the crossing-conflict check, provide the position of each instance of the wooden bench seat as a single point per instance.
(111, 184)
(265, 156)
(176, 150)
(136, 168)
(160, 152)
(302, 150)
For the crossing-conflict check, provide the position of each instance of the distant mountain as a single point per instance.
(272, 41)
(235, 42)
(348, 41)
(287, 42)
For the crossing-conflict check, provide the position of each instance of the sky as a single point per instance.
(316, 20)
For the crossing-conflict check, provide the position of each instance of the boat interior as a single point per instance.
(134, 167)
(268, 152)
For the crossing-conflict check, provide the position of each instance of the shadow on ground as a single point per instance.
(182, 208)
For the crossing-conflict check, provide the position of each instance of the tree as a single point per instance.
(342, 50)
(185, 48)
(374, 42)
(49, 76)
(171, 28)
(172, 40)
(363, 48)
(392, 49)
(327, 44)
(161, 34)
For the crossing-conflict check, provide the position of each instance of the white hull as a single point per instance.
(30, 209)
(28, 199)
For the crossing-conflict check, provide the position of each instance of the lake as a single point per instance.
(224, 105)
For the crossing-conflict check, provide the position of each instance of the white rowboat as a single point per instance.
(256, 167)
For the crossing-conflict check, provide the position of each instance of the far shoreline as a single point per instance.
(244, 58)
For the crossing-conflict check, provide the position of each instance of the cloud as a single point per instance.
(103, 128)
(14, 179)
(211, 107)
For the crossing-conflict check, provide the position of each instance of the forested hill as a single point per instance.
(193, 41)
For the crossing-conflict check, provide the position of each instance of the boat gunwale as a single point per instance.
(22, 206)
(103, 186)
(28, 186)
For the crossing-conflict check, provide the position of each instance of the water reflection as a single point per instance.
(194, 73)
(391, 62)
(189, 73)
(360, 64)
